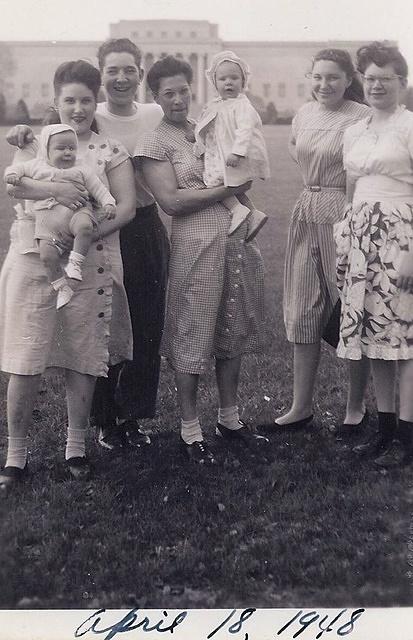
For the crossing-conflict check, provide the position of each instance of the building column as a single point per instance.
(142, 88)
(200, 77)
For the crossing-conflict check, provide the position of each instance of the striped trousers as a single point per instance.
(310, 281)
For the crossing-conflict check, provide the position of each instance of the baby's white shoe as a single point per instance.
(238, 214)
(64, 295)
(256, 221)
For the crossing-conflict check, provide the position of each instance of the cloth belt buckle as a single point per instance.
(314, 188)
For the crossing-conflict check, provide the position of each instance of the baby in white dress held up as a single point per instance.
(57, 227)
(229, 136)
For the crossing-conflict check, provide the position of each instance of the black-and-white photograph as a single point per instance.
(206, 376)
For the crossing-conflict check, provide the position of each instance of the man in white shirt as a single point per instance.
(128, 395)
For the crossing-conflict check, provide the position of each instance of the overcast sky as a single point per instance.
(237, 19)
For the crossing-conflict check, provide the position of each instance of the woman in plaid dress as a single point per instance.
(216, 286)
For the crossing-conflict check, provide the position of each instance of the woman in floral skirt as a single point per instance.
(375, 247)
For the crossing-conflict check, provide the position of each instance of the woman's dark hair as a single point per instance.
(343, 59)
(167, 67)
(380, 54)
(118, 45)
(77, 71)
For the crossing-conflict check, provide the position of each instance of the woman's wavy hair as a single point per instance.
(343, 59)
(167, 67)
(74, 71)
(380, 54)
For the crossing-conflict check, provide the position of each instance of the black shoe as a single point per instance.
(10, 477)
(400, 453)
(79, 467)
(381, 441)
(297, 425)
(111, 437)
(135, 435)
(242, 435)
(348, 431)
(198, 452)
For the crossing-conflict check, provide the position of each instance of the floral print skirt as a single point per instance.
(376, 316)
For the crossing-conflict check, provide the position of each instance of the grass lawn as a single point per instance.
(310, 525)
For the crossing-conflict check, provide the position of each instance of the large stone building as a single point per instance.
(277, 68)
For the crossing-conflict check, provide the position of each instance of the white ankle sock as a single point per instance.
(191, 431)
(229, 417)
(75, 444)
(74, 256)
(16, 452)
(59, 283)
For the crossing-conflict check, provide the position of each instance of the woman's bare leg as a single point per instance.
(406, 390)
(227, 374)
(21, 396)
(79, 394)
(384, 378)
(359, 373)
(306, 360)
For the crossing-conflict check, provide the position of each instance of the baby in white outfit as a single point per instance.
(56, 226)
(229, 136)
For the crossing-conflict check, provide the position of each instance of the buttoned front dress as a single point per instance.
(216, 282)
(377, 316)
(94, 328)
(310, 282)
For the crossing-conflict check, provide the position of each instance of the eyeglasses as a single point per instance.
(383, 80)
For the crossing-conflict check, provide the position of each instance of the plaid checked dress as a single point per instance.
(216, 283)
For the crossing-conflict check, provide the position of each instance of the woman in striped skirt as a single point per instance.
(310, 289)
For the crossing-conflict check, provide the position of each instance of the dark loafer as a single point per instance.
(10, 477)
(348, 431)
(242, 435)
(291, 427)
(135, 436)
(198, 452)
(111, 437)
(79, 468)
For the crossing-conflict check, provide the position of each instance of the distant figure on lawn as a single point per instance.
(229, 137)
(216, 285)
(310, 282)
(375, 246)
(94, 328)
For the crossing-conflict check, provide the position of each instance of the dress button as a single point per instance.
(239, 256)
(232, 300)
(227, 330)
(237, 271)
(229, 315)
(101, 314)
(100, 270)
(236, 286)
(101, 291)
(99, 247)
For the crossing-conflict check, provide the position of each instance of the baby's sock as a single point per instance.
(229, 417)
(59, 283)
(74, 256)
(16, 452)
(73, 268)
(191, 431)
(75, 444)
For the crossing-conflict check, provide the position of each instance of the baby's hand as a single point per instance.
(13, 179)
(233, 160)
(110, 211)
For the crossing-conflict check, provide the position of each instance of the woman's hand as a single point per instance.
(70, 195)
(20, 135)
(405, 279)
